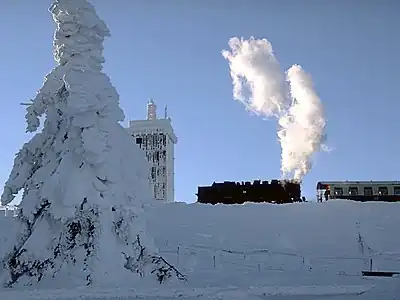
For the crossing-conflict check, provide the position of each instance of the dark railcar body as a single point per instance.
(228, 192)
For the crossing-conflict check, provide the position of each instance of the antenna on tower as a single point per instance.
(165, 112)
(151, 110)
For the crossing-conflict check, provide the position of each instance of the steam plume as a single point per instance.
(257, 79)
(259, 84)
(302, 127)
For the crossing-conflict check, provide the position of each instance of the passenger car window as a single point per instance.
(383, 190)
(353, 190)
(368, 191)
(338, 191)
(397, 190)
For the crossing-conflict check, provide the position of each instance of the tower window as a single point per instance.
(139, 140)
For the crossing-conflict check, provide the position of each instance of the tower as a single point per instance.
(157, 139)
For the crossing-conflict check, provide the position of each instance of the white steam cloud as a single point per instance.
(302, 127)
(259, 83)
(257, 78)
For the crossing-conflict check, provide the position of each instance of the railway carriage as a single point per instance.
(388, 191)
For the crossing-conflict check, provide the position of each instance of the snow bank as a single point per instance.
(266, 244)
(276, 293)
(295, 251)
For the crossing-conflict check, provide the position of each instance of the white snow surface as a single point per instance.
(264, 251)
(83, 169)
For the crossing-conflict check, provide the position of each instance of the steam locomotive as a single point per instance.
(289, 191)
(227, 192)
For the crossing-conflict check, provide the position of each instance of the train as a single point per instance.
(230, 192)
(387, 191)
(289, 191)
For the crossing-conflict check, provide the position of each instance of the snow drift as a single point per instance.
(284, 247)
(309, 250)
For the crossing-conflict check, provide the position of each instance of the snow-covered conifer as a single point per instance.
(84, 181)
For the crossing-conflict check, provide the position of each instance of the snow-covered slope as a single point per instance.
(304, 248)
(266, 244)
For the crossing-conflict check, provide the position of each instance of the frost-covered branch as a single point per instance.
(26, 163)
(44, 97)
(162, 269)
(165, 270)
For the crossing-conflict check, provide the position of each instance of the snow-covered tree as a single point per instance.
(84, 181)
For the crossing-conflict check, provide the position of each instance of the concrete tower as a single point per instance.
(157, 139)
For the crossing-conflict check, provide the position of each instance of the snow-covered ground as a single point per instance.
(259, 251)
